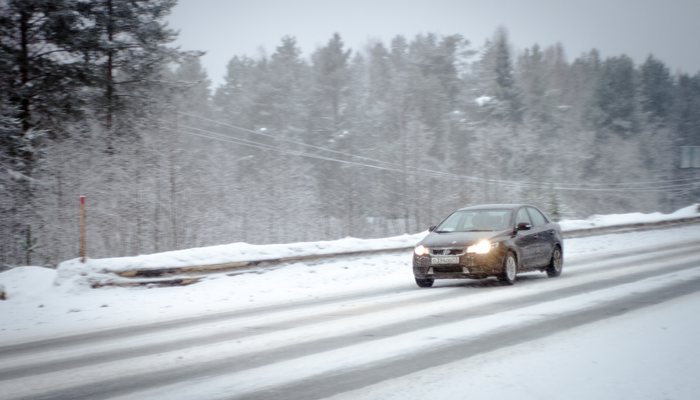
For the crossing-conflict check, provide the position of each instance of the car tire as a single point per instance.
(425, 283)
(510, 269)
(556, 263)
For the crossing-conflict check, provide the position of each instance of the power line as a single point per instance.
(315, 147)
(419, 171)
(394, 167)
(518, 183)
(243, 142)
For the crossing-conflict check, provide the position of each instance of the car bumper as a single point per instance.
(474, 266)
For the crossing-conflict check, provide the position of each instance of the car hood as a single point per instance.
(458, 239)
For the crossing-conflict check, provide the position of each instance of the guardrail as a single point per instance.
(171, 276)
(622, 228)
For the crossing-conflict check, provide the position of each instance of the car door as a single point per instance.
(526, 240)
(543, 236)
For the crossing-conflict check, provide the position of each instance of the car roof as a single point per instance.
(494, 207)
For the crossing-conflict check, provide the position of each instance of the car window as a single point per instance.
(451, 223)
(536, 216)
(475, 220)
(492, 220)
(522, 217)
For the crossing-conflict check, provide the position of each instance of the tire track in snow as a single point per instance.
(265, 321)
(339, 382)
(322, 374)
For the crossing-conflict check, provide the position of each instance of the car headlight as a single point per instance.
(421, 250)
(482, 247)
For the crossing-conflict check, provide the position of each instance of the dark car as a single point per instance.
(497, 240)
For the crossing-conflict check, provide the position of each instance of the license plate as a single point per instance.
(444, 260)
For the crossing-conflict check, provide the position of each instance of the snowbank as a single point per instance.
(245, 252)
(74, 274)
(26, 282)
(599, 221)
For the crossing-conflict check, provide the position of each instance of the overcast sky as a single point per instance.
(668, 29)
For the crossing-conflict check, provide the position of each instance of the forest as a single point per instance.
(382, 140)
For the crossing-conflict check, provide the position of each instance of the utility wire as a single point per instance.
(519, 183)
(416, 171)
(394, 167)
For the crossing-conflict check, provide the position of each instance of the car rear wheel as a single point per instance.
(510, 269)
(425, 283)
(556, 263)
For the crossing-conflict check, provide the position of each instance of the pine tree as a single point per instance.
(383, 103)
(656, 103)
(498, 83)
(234, 100)
(686, 121)
(40, 61)
(286, 102)
(499, 114)
(332, 77)
(615, 97)
(656, 87)
(289, 79)
(192, 85)
(328, 122)
(126, 47)
(687, 104)
(182, 158)
(41, 77)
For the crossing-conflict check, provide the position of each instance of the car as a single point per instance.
(492, 240)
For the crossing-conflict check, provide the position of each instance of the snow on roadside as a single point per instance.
(71, 270)
(27, 281)
(598, 221)
(242, 252)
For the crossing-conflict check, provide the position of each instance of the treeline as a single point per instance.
(376, 141)
(80, 84)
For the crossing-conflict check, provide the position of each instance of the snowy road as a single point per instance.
(322, 347)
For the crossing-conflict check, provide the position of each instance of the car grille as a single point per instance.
(447, 252)
(447, 269)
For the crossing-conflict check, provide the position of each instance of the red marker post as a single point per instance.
(82, 229)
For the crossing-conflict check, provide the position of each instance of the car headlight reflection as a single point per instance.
(421, 250)
(483, 247)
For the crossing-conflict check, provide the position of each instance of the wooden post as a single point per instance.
(82, 229)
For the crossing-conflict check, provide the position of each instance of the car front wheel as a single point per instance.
(510, 269)
(425, 283)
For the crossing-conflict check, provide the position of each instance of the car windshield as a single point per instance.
(475, 221)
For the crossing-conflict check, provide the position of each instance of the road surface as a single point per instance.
(318, 348)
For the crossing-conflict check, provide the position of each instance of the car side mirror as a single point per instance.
(432, 228)
(523, 226)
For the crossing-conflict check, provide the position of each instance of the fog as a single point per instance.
(316, 120)
(224, 28)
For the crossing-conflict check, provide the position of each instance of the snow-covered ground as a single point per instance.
(648, 354)
(44, 303)
(645, 354)
(598, 221)
(72, 271)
